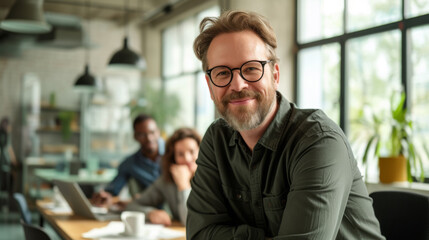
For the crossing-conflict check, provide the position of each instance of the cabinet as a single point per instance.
(99, 133)
(56, 136)
(110, 135)
(44, 137)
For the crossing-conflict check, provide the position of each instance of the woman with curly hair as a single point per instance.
(173, 187)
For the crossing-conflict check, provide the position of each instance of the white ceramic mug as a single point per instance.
(133, 223)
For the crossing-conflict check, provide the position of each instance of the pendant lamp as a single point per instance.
(86, 82)
(26, 16)
(125, 57)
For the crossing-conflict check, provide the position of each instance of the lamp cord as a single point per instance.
(127, 30)
(88, 25)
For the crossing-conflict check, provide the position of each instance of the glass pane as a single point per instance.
(187, 100)
(319, 19)
(373, 73)
(419, 73)
(368, 13)
(416, 7)
(190, 62)
(205, 106)
(319, 79)
(171, 52)
(210, 12)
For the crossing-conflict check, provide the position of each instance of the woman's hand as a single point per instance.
(181, 176)
(159, 217)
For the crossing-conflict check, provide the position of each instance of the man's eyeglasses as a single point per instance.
(251, 71)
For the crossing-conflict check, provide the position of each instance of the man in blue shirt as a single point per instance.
(143, 166)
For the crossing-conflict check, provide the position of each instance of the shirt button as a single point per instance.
(238, 196)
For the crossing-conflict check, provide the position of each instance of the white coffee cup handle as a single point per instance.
(127, 226)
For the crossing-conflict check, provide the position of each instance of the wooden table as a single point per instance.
(71, 227)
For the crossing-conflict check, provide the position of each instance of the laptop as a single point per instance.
(80, 204)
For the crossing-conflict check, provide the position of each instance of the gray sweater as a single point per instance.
(157, 194)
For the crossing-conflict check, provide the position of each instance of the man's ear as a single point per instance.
(276, 75)
(210, 86)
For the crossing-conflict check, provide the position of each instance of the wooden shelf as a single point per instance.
(59, 148)
(56, 130)
(48, 108)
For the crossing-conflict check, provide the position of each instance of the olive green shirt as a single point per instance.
(300, 182)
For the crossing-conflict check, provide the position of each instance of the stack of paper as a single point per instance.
(114, 230)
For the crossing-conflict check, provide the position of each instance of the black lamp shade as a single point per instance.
(85, 81)
(26, 16)
(126, 58)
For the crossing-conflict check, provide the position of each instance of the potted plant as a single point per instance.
(394, 147)
(66, 118)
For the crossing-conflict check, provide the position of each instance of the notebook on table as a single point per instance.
(80, 204)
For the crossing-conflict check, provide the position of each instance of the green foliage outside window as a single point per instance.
(163, 107)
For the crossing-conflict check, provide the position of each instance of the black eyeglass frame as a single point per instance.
(263, 63)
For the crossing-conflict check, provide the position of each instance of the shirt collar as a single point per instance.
(271, 137)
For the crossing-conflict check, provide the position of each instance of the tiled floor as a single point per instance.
(10, 228)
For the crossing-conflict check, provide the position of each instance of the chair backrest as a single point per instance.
(402, 215)
(33, 232)
(23, 207)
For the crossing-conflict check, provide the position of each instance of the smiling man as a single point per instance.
(143, 166)
(268, 169)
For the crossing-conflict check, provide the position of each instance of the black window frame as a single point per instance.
(403, 25)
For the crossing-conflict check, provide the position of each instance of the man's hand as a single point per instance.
(102, 199)
(181, 176)
(159, 217)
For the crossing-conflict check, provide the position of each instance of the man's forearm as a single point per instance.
(225, 232)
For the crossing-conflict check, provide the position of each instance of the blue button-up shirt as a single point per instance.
(142, 168)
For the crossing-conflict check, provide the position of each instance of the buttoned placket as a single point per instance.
(255, 186)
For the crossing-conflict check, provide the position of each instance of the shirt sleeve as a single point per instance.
(181, 204)
(119, 181)
(208, 216)
(321, 178)
(149, 199)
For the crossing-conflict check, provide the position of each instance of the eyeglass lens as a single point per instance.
(251, 71)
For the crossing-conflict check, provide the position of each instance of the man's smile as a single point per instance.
(241, 101)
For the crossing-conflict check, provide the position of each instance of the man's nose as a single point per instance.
(237, 83)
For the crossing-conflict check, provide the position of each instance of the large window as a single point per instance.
(353, 54)
(182, 74)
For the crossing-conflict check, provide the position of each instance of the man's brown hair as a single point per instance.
(234, 21)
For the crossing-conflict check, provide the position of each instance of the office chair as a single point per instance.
(402, 215)
(4, 168)
(32, 232)
(23, 207)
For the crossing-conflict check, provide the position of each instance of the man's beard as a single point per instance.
(244, 118)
